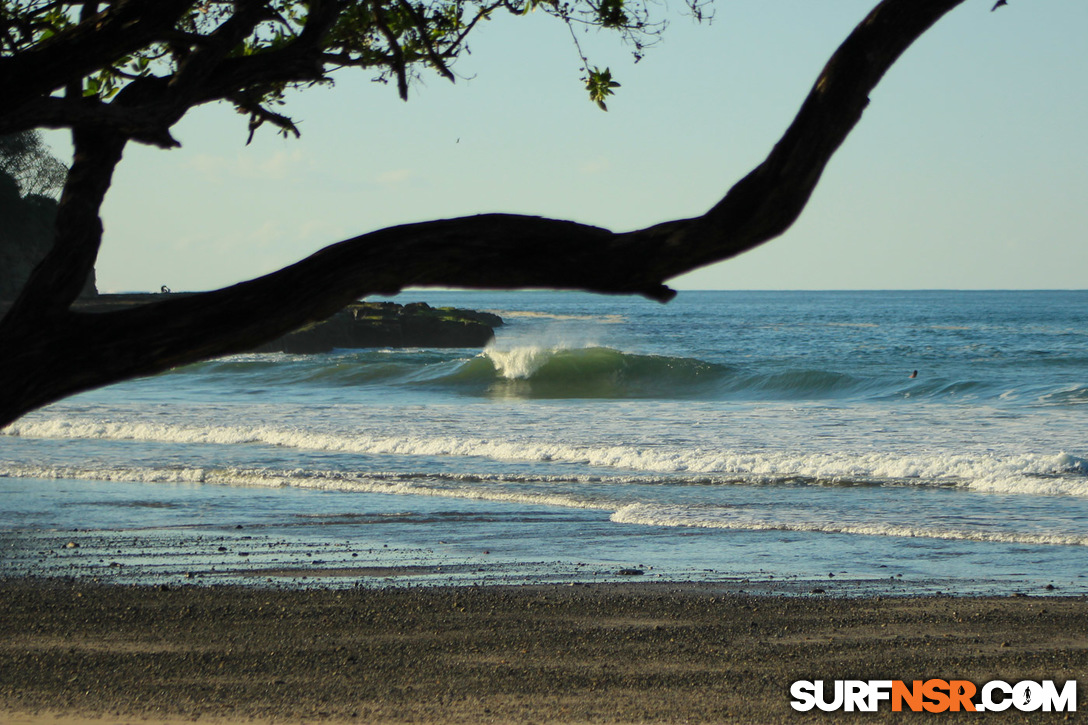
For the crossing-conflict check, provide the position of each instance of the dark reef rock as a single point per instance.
(360, 324)
(387, 324)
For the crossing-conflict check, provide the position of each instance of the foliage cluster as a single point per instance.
(166, 56)
(27, 161)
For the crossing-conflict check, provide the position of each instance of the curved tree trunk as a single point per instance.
(50, 352)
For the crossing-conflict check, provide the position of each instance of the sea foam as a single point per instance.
(700, 517)
(496, 489)
(1054, 474)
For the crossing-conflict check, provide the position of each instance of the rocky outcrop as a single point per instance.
(362, 324)
(387, 324)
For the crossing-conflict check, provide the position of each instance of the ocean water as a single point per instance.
(758, 440)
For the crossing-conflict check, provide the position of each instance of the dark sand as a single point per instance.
(595, 653)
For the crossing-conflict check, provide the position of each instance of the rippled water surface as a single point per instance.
(722, 436)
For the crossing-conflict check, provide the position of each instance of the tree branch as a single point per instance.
(144, 124)
(488, 251)
(421, 28)
(767, 201)
(59, 278)
(123, 28)
(206, 56)
(148, 107)
(398, 65)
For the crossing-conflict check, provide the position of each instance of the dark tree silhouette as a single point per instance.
(31, 165)
(31, 179)
(123, 71)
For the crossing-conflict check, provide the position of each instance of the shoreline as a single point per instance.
(216, 555)
(130, 533)
(619, 652)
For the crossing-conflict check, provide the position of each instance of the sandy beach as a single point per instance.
(77, 652)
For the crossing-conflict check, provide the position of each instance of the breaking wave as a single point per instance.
(590, 371)
(1058, 474)
(585, 372)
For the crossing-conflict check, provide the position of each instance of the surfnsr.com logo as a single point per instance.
(933, 696)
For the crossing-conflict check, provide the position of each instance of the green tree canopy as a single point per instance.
(167, 56)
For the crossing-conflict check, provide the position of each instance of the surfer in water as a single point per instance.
(914, 375)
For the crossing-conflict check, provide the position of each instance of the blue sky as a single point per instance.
(969, 169)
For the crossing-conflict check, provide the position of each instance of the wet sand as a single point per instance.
(590, 653)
